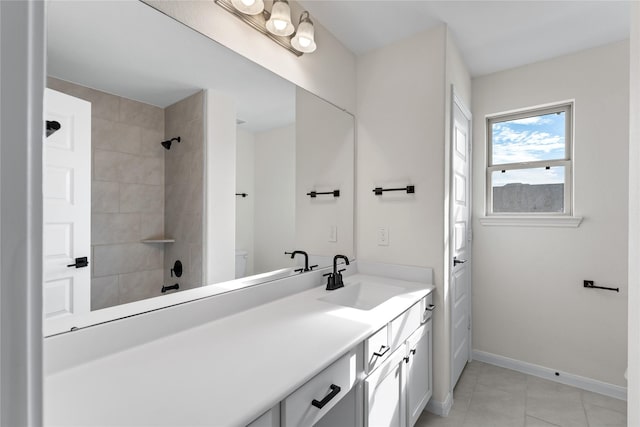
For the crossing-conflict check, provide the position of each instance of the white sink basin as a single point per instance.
(362, 297)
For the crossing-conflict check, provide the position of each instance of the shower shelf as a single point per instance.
(158, 241)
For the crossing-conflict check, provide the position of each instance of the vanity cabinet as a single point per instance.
(385, 381)
(419, 373)
(271, 418)
(385, 393)
(398, 389)
(308, 404)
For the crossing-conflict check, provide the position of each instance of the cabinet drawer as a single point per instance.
(326, 389)
(427, 307)
(376, 349)
(404, 325)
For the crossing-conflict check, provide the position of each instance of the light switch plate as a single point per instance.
(333, 233)
(383, 236)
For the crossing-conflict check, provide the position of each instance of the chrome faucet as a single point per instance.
(306, 261)
(334, 280)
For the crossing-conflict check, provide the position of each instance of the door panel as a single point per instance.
(67, 206)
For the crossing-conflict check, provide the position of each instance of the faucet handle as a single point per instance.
(327, 274)
(312, 267)
(340, 271)
(299, 270)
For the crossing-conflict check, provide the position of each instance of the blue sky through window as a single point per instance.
(530, 139)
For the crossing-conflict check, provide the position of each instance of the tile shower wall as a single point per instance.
(184, 191)
(127, 193)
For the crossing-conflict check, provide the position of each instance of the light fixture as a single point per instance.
(249, 7)
(280, 21)
(276, 24)
(304, 38)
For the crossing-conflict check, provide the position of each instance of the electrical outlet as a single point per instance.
(383, 236)
(333, 233)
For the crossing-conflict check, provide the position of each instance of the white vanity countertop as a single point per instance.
(223, 373)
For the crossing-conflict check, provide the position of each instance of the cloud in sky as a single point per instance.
(529, 139)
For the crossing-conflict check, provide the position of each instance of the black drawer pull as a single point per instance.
(430, 307)
(383, 350)
(335, 389)
(412, 351)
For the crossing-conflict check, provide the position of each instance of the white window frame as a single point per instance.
(568, 108)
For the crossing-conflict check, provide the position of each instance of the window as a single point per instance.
(529, 162)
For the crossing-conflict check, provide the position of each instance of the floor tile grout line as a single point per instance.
(584, 409)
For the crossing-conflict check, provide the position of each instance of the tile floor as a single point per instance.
(489, 396)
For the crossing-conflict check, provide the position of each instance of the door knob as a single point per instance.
(457, 261)
(80, 262)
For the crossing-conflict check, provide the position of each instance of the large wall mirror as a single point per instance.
(172, 163)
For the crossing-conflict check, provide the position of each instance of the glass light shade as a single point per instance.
(249, 7)
(304, 40)
(280, 21)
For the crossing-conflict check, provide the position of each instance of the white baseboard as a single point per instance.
(550, 374)
(440, 408)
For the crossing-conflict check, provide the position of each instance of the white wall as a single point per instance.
(324, 162)
(528, 300)
(328, 72)
(275, 187)
(402, 98)
(22, 78)
(245, 183)
(220, 175)
(633, 415)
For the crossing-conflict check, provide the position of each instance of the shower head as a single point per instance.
(167, 144)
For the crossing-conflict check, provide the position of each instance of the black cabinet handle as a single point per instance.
(406, 359)
(80, 262)
(334, 392)
(412, 351)
(430, 307)
(383, 350)
(457, 261)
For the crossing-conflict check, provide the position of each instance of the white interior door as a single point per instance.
(460, 239)
(67, 206)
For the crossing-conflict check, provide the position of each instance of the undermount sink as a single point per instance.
(362, 297)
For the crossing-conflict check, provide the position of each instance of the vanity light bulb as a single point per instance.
(304, 42)
(249, 7)
(279, 24)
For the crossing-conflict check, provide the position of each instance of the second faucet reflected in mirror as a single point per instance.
(306, 261)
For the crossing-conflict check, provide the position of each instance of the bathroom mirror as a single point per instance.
(166, 146)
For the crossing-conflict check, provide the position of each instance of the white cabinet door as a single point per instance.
(271, 418)
(66, 206)
(384, 404)
(419, 373)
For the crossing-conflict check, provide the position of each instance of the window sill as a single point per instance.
(531, 221)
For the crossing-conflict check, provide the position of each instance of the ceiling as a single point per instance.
(491, 35)
(129, 49)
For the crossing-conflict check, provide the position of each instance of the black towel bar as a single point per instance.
(313, 194)
(410, 189)
(590, 284)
